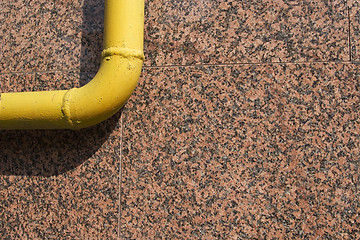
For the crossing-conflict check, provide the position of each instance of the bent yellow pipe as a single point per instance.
(103, 96)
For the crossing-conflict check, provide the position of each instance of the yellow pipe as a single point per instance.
(103, 96)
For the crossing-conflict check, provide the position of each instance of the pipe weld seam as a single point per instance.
(65, 108)
(124, 52)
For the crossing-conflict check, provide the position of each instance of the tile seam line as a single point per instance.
(186, 65)
(50, 71)
(349, 28)
(242, 64)
(120, 174)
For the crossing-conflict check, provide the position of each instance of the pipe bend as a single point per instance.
(76, 108)
(103, 96)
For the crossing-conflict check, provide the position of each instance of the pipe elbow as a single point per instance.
(76, 108)
(103, 96)
(106, 93)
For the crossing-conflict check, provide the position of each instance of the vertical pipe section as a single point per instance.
(122, 16)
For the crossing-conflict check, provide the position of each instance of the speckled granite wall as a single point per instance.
(245, 124)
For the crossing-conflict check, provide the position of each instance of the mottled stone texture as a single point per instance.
(244, 124)
(56, 184)
(243, 152)
(237, 31)
(354, 14)
(60, 184)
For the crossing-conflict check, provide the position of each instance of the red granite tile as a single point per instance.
(47, 36)
(210, 152)
(354, 11)
(242, 152)
(24, 82)
(27, 32)
(91, 47)
(58, 184)
(85, 19)
(5, 9)
(195, 32)
(16, 82)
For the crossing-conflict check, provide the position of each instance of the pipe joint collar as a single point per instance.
(124, 52)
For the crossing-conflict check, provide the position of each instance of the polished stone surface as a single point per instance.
(244, 124)
(243, 152)
(60, 184)
(56, 184)
(227, 31)
(354, 15)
